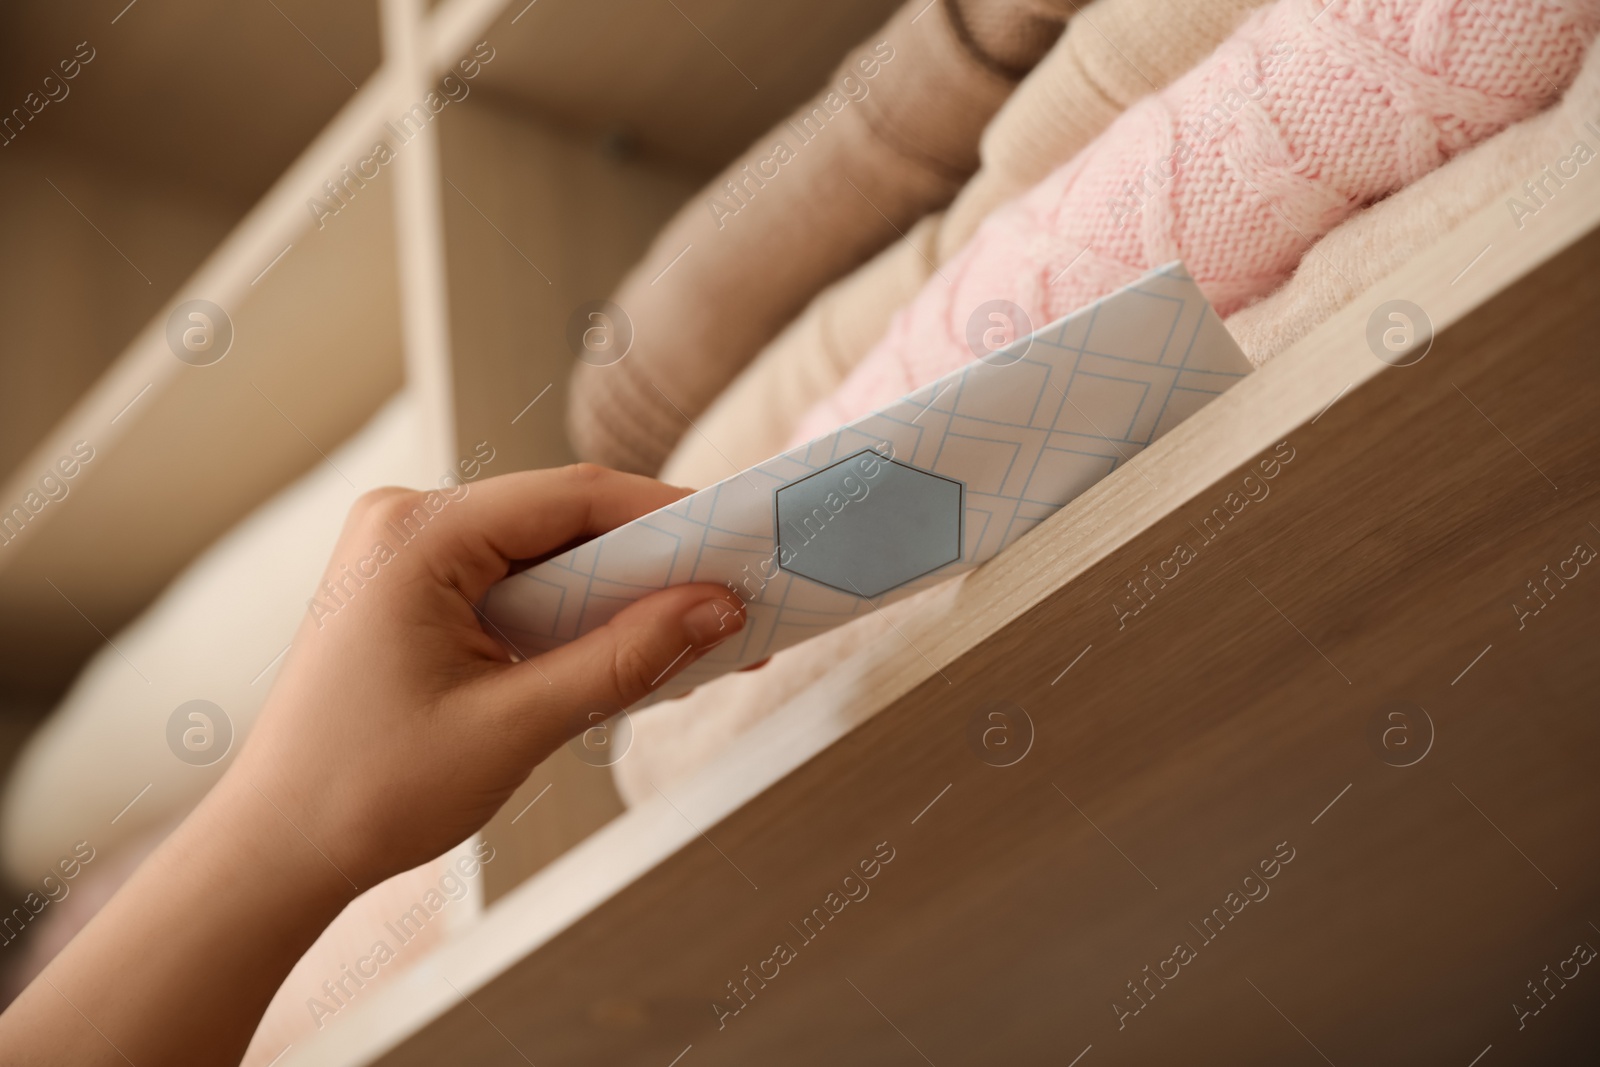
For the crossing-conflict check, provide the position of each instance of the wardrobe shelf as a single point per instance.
(687, 85)
(1224, 727)
(162, 126)
(323, 326)
(1226, 724)
(112, 219)
(451, 270)
(181, 452)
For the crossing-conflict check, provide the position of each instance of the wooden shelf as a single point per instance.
(1227, 722)
(1216, 725)
(536, 224)
(690, 84)
(182, 452)
(409, 283)
(213, 99)
(450, 270)
(164, 140)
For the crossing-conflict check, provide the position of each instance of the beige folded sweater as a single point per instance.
(1113, 53)
(891, 136)
(1522, 166)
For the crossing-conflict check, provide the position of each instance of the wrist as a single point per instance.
(235, 882)
(246, 843)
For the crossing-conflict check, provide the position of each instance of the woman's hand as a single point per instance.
(395, 730)
(398, 726)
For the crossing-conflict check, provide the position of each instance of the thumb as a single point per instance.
(616, 664)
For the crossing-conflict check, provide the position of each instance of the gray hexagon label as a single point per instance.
(867, 524)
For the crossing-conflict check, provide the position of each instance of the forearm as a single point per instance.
(182, 962)
(393, 733)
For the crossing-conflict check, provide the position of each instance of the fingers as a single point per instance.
(484, 525)
(640, 649)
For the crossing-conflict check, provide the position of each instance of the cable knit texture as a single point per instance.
(1362, 250)
(1306, 115)
(1087, 80)
(1113, 53)
(675, 739)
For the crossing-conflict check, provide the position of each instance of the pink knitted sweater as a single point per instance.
(1306, 115)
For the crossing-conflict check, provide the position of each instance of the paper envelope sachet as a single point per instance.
(930, 486)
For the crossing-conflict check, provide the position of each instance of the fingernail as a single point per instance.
(712, 620)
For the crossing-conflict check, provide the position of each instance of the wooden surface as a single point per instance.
(420, 239)
(563, 801)
(691, 83)
(328, 319)
(537, 225)
(1229, 720)
(177, 464)
(69, 302)
(180, 122)
(212, 99)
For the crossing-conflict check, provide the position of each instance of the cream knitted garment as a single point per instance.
(1306, 114)
(675, 739)
(892, 135)
(1113, 53)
